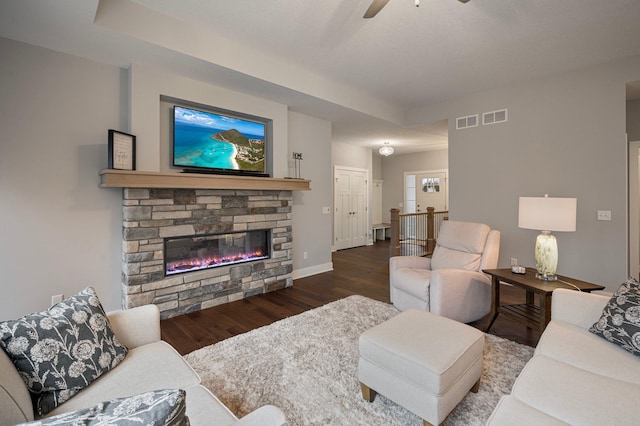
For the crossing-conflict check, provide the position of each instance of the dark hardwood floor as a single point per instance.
(362, 270)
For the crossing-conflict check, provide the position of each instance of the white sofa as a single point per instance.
(575, 377)
(151, 364)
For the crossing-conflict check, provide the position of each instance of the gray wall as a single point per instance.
(61, 232)
(149, 86)
(566, 137)
(377, 167)
(347, 155)
(311, 137)
(393, 169)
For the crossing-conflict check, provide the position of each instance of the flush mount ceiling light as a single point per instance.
(386, 150)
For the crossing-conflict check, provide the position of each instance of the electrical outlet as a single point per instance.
(514, 261)
(604, 215)
(57, 299)
(305, 255)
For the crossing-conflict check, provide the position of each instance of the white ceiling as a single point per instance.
(322, 58)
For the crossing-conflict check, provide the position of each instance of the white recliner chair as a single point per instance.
(450, 283)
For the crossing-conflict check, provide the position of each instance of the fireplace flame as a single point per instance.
(211, 262)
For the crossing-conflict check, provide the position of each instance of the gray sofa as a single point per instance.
(575, 377)
(151, 364)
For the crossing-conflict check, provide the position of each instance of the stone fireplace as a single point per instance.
(153, 219)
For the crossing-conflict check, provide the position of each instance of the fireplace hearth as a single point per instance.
(194, 253)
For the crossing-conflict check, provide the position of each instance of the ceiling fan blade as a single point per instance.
(375, 7)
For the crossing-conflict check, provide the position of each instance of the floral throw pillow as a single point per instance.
(620, 320)
(62, 350)
(157, 408)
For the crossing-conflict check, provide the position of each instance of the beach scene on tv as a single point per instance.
(213, 141)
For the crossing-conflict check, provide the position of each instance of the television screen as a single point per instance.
(207, 141)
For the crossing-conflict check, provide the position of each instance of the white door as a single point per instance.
(431, 191)
(342, 203)
(421, 190)
(351, 214)
(359, 206)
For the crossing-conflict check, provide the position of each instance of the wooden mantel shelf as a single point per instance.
(138, 179)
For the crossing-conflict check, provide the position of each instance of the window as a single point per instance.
(431, 184)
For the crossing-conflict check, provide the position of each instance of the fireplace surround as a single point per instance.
(152, 216)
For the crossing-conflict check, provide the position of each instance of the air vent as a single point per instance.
(466, 122)
(494, 117)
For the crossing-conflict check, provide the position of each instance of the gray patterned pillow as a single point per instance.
(620, 320)
(60, 351)
(158, 408)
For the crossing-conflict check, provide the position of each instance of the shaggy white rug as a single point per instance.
(307, 365)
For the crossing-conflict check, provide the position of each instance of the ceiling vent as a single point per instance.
(494, 117)
(466, 122)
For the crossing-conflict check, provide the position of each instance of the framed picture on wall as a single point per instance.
(121, 150)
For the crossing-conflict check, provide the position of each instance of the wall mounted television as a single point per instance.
(213, 142)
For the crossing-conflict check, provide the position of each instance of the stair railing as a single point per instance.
(415, 234)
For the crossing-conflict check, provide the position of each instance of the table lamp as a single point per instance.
(547, 214)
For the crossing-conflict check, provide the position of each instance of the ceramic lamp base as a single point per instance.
(546, 256)
(544, 277)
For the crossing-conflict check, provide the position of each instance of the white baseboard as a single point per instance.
(312, 270)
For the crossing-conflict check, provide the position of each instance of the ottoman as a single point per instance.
(424, 362)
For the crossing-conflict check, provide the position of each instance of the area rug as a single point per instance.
(307, 366)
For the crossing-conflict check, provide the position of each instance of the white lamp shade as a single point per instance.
(547, 214)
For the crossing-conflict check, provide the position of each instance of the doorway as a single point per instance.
(423, 189)
(426, 189)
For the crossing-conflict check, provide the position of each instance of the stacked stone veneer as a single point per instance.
(151, 215)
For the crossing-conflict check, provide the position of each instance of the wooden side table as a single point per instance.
(532, 315)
